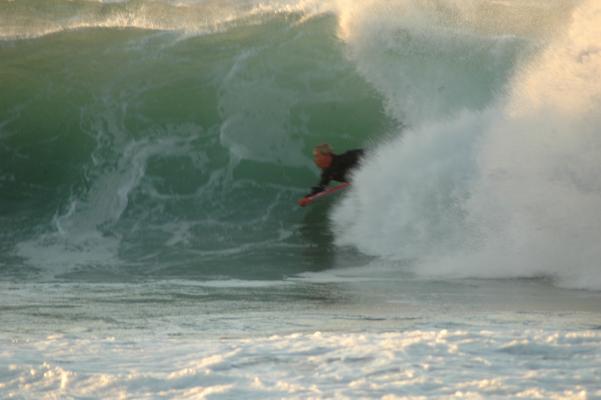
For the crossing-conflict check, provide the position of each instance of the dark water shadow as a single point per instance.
(319, 251)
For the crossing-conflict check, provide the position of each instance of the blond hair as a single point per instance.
(323, 148)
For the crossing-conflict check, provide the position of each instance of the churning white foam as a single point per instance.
(514, 191)
(504, 363)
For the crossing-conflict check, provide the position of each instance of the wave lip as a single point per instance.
(27, 19)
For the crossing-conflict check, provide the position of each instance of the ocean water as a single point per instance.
(151, 156)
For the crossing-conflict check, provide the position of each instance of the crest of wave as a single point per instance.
(189, 17)
(512, 191)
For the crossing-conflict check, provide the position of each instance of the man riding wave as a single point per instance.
(334, 167)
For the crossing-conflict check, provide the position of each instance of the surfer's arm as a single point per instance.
(321, 186)
(316, 189)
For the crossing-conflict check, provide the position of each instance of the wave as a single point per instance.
(178, 148)
(163, 157)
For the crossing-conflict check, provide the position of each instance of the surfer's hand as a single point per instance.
(304, 201)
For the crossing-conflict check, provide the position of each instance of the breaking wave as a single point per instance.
(507, 189)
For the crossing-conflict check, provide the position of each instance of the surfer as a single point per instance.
(333, 166)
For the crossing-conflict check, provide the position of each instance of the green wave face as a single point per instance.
(150, 152)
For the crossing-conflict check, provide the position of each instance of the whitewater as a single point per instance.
(151, 156)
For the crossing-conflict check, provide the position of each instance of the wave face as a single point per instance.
(158, 149)
(171, 138)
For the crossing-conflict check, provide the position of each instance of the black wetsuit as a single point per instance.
(338, 170)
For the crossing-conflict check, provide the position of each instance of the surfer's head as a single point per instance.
(322, 155)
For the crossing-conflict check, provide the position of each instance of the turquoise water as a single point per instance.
(187, 152)
(151, 156)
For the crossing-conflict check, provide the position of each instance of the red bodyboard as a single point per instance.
(305, 201)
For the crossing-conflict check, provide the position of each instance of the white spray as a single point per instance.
(514, 191)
